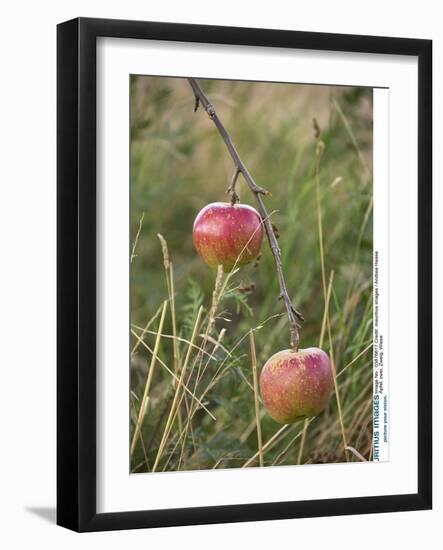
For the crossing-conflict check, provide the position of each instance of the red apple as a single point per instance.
(228, 235)
(296, 384)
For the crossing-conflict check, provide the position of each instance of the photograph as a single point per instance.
(251, 260)
(244, 269)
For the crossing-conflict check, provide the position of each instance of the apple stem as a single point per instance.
(294, 317)
(232, 188)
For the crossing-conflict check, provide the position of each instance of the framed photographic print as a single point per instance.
(244, 274)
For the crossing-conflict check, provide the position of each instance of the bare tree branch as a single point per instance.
(294, 316)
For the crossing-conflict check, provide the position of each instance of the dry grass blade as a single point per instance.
(303, 440)
(174, 376)
(169, 275)
(165, 251)
(320, 345)
(319, 153)
(326, 293)
(251, 427)
(293, 440)
(356, 453)
(145, 399)
(217, 344)
(145, 329)
(174, 323)
(134, 245)
(216, 296)
(133, 397)
(359, 418)
(326, 310)
(230, 354)
(183, 432)
(337, 394)
(179, 339)
(334, 426)
(356, 358)
(267, 445)
(172, 411)
(256, 400)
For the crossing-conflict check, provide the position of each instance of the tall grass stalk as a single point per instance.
(320, 345)
(174, 376)
(145, 329)
(337, 393)
(169, 276)
(145, 399)
(319, 150)
(134, 245)
(256, 398)
(172, 411)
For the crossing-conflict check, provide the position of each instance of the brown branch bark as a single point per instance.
(294, 317)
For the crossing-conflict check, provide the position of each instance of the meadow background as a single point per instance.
(179, 163)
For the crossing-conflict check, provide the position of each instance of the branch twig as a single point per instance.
(294, 316)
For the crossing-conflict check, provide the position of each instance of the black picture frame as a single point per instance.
(76, 279)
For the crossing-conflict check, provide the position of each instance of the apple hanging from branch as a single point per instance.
(294, 316)
(296, 385)
(228, 234)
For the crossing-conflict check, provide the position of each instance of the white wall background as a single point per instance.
(27, 270)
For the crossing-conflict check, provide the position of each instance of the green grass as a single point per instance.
(178, 164)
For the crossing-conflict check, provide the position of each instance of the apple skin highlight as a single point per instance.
(228, 235)
(296, 384)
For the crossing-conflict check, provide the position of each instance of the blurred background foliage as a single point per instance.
(179, 163)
